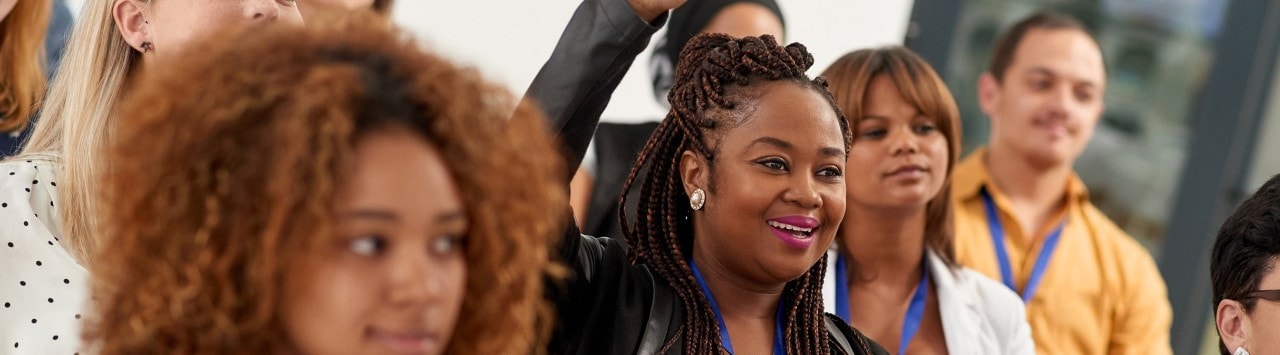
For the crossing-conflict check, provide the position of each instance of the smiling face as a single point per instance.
(900, 153)
(775, 190)
(1050, 99)
(393, 278)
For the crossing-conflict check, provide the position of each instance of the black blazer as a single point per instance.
(613, 307)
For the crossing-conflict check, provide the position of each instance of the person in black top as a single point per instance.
(595, 188)
(743, 190)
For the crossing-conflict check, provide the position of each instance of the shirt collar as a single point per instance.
(971, 175)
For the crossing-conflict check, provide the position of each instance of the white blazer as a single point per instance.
(979, 315)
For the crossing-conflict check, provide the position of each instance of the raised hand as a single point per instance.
(651, 9)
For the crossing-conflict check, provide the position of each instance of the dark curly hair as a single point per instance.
(219, 187)
(715, 73)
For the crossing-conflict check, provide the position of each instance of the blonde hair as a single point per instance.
(76, 121)
(22, 63)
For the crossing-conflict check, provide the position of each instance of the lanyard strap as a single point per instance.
(779, 347)
(1002, 256)
(915, 312)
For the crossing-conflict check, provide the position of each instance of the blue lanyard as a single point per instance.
(779, 347)
(915, 312)
(1002, 256)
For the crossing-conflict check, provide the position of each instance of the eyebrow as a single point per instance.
(1047, 71)
(787, 146)
(384, 215)
(780, 144)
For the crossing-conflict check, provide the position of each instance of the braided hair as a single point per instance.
(715, 73)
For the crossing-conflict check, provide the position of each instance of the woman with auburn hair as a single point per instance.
(23, 25)
(48, 215)
(46, 192)
(742, 189)
(359, 201)
(894, 273)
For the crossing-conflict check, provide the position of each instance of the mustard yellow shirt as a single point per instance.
(1101, 292)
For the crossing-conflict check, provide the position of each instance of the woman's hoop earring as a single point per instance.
(697, 199)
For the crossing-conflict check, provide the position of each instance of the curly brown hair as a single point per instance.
(218, 188)
(715, 73)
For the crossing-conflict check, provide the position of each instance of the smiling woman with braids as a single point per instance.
(743, 190)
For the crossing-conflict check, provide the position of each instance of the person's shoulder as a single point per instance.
(29, 164)
(991, 291)
(1125, 248)
(844, 336)
(18, 175)
(968, 177)
(1128, 260)
(994, 296)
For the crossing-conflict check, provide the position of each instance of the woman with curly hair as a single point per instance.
(742, 191)
(49, 210)
(336, 191)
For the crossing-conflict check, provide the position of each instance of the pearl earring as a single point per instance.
(697, 199)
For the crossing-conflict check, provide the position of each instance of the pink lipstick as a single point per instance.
(794, 231)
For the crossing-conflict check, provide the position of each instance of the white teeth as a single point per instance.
(789, 227)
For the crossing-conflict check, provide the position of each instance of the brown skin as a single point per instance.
(1042, 117)
(745, 265)
(394, 279)
(884, 225)
(649, 10)
(1254, 331)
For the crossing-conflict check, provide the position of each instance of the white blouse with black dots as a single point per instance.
(42, 287)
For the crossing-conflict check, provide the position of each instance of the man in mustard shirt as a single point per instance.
(1023, 216)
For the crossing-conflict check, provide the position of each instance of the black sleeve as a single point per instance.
(597, 47)
(860, 343)
(603, 304)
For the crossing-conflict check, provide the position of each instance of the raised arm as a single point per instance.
(597, 47)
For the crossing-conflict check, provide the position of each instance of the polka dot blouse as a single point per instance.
(42, 287)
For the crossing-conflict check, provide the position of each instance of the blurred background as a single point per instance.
(1192, 124)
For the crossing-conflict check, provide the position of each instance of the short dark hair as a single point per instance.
(1246, 244)
(1007, 44)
